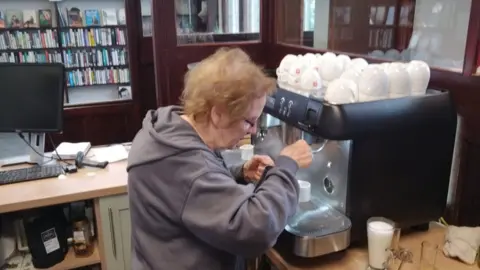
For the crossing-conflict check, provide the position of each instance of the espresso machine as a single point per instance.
(388, 158)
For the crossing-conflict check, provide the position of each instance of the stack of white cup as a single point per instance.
(340, 80)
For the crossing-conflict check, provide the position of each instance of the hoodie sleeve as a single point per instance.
(237, 172)
(237, 219)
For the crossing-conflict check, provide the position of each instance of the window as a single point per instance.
(146, 6)
(308, 15)
(231, 14)
(217, 21)
(432, 31)
(251, 16)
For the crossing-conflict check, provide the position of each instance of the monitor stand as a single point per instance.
(35, 141)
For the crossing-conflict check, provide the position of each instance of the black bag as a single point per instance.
(47, 236)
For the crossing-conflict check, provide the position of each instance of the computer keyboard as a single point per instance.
(29, 174)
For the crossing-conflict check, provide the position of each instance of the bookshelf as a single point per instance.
(89, 37)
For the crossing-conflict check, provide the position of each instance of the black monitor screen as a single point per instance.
(31, 97)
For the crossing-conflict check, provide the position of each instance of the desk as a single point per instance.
(87, 183)
(357, 258)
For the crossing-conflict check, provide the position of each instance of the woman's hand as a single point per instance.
(253, 169)
(300, 151)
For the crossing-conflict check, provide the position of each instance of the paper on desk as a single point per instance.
(112, 153)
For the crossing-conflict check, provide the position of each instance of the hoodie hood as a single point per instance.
(164, 133)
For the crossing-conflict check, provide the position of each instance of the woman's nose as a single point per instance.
(253, 129)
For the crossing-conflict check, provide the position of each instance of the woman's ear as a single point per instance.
(215, 116)
(218, 116)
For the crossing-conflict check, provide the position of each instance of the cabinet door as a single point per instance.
(116, 231)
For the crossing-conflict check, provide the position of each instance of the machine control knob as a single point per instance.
(290, 104)
(282, 100)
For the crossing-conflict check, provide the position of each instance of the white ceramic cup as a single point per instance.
(351, 74)
(373, 84)
(246, 151)
(357, 63)
(305, 191)
(399, 80)
(419, 72)
(310, 81)
(341, 91)
(286, 62)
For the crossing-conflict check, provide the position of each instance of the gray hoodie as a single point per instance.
(187, 208)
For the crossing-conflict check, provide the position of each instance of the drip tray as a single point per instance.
(318, 229)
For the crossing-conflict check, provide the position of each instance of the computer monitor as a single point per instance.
(31, 104)
(31, 97)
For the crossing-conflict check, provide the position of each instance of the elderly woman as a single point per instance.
(189, 211)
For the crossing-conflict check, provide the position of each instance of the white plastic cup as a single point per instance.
(305, 191)
(246, 151)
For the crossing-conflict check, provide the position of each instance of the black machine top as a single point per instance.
(354, 120)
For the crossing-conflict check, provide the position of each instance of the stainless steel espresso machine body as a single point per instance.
(389, 158)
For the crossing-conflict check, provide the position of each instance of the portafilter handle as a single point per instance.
(309, 139)
(320, 148)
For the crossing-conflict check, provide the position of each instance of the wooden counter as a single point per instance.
(357, 258)
(87, 183)
(90, 183)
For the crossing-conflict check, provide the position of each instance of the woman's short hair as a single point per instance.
(229, 79)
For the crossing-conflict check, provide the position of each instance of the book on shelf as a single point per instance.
(2, 19)
(30, 18)
(91, 76)
(91, 53)
(28, 39)
(125, 92)
(31, 57)
(122, 18)
(14, 18)
(92, 17)
(95, 58)
(75, 17)
(45, 18)
(93, 37)
(109, 16)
